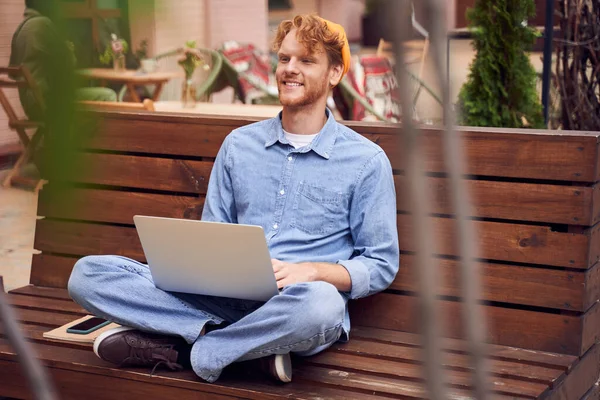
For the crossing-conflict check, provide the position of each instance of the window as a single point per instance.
(89, 24)
(280, 5)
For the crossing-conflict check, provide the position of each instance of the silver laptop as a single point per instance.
(210, 258)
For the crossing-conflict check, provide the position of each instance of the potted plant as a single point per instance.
(115, 53)
(190, 58)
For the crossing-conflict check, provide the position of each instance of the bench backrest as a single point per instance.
(536, 210)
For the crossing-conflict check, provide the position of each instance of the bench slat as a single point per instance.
(406, 371)
(507, 242)
(69, 383)
(46, 304)
(545, 359)
(523, 154)
(509, 155)
(185, 176)
(90, 205)
(582, 377)
(41, 291)
(78, 239)
(546, 332)
(498, 241)
(559, 204)
(45, 318)
(399, 352)
(566, 290)
(51, 271)
(555, 204)
(377, 385)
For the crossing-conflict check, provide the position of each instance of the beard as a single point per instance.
(310, 93)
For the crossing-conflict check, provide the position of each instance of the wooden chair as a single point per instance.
(350, 95)
(20, 78)
(213, 81)
(244, 82)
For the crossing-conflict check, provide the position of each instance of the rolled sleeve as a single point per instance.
(359, 276)
(373, 224)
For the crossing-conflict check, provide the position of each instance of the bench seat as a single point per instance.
(536, 209)
(376, 362)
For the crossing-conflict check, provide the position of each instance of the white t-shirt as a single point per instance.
(299, 140)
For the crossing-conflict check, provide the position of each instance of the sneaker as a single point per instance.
(129, 347)
(278, 366)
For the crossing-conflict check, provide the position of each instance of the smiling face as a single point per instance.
(303, 77)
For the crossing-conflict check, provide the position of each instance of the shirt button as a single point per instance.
(282, 192)
(275, 226)
(290, 158)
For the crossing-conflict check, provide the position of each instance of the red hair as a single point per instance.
(312, 32)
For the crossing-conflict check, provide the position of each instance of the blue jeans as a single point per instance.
(305, 318)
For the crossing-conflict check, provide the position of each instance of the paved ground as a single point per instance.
(17, 223)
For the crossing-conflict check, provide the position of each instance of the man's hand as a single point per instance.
(287, 274)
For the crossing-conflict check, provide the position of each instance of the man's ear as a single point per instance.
(335, 74)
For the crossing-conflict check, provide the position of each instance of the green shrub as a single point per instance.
(501, 88)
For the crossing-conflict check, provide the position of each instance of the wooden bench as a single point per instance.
(537, 208)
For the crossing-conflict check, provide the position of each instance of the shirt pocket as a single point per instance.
(319, 211)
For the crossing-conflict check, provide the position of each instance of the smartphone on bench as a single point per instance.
(88, 326)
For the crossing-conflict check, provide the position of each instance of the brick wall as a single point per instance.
(347, 13)
(11, 14)
(167, 25)
(240, 20)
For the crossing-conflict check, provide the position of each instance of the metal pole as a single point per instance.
(466, 239)
(548, 36)
(41, 386)
(418, 200)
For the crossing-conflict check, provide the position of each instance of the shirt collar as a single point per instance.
(322, 144)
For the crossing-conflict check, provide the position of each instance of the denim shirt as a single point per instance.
(330, 201)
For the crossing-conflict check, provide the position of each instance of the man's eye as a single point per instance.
(307, 61)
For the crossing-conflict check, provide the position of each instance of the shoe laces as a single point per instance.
(164, 360)
(146, 353)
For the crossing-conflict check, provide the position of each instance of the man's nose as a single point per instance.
(292, 66)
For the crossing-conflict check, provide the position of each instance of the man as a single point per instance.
(324, 196)
(37, 45)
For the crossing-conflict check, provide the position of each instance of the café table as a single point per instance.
(129, 78)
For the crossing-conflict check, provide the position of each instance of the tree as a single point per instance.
(501, 87)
